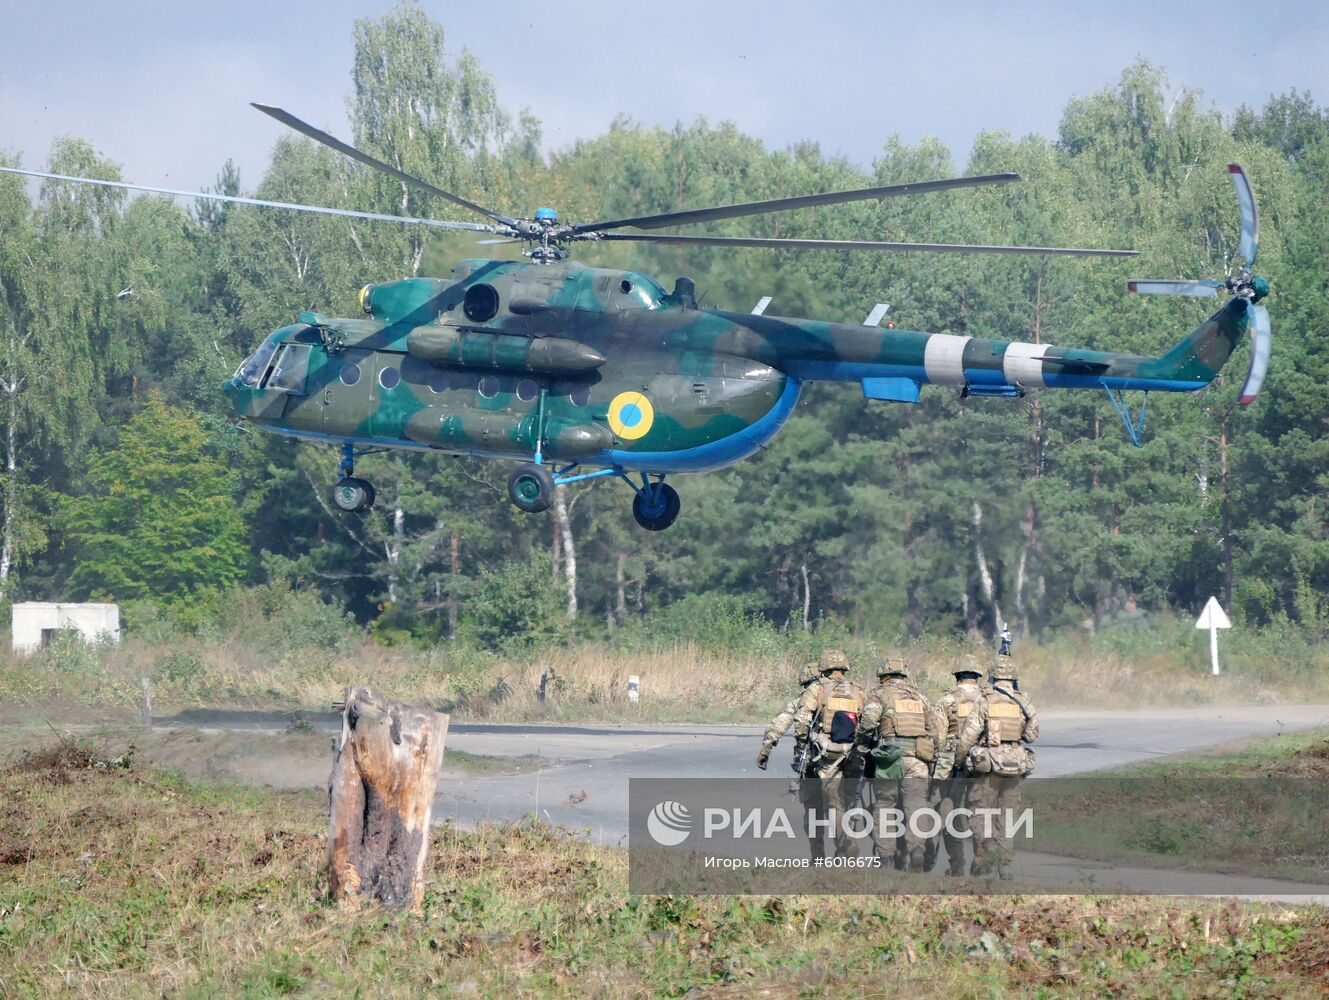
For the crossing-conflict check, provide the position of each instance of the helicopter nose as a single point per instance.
(231, 387)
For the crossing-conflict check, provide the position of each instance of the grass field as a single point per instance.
(121, 880)
(1255, 809)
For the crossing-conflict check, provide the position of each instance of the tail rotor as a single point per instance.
(1244, 285)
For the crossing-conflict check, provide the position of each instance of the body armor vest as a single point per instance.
(1005, 719)
(907, 712)
(964, 698)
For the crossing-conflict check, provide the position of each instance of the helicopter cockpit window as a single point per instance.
(253, 368)
(291, 370)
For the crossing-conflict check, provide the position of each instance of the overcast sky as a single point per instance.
(163, 87)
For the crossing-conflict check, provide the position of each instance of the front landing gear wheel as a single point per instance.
(531, 488)
(656, 507)
(355, 496)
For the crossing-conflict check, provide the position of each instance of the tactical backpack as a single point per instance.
(841, 704)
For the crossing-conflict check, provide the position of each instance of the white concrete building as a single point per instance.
(36, 624)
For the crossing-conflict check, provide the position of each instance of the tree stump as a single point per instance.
(381, 797)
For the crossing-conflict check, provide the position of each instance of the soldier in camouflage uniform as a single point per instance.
(994, 742)
(949, 782)
(781, 723)
(899, 729)
(827, 716)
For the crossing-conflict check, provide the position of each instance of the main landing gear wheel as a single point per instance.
(656, 507)
(355, 496)
(531, 488)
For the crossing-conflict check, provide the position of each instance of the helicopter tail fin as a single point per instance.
(1200, 355)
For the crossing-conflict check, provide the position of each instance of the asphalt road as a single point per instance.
(586, 786)
(588, 790)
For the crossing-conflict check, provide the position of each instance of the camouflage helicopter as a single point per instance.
(581, 373)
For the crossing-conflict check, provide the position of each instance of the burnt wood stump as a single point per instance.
(381, 793)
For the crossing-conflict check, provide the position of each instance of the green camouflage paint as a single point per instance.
(462, 365)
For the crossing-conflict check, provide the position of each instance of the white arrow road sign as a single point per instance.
(1213, 618)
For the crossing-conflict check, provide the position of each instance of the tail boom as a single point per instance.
(841, 353)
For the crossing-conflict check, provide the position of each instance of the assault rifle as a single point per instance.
(803, 757)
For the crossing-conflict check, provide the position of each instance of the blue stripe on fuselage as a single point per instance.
(717, 454)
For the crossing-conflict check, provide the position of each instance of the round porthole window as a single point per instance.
(389, 377)
(580, 396)
(350, 373)
(527, 389)
(489, 387)
(438, 382)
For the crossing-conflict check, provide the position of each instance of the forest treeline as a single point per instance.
(126, 477)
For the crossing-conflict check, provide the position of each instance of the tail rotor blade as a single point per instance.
(1261, 347)
(1190, 289)
(1250, 222)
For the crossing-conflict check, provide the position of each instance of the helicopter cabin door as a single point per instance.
(349, 395)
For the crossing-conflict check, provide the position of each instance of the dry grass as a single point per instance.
(123, 882)
(686, 681)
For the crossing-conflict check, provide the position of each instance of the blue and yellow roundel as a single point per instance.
(630, 415)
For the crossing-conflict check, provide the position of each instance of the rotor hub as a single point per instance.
(1248, 286)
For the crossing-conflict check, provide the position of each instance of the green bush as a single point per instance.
(71, 655)
(516, 609)
(279, 619)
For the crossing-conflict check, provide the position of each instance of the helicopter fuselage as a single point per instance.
(603, 368)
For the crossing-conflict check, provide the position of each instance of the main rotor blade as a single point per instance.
(1250, 222)
(318, 135)
(1191, 289)
(1261, 348)
(438, 223)
(785, 204)
(787, 244)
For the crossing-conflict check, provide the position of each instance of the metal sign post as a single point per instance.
(1213, 618)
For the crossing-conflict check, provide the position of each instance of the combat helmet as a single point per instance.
(809, 673)
(893, 666)
(832, 660)
(968, 665)
(1003, 669)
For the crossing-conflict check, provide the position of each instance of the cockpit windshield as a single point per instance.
(253, 368)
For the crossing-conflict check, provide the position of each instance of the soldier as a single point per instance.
(994, 744)
(781, 723)
(948, 781)
(899, 728)
(827, 717)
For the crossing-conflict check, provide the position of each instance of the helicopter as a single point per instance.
(581, 373)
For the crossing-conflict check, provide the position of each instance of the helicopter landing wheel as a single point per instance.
(657, 507)
(531, 488)
(355, 496)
